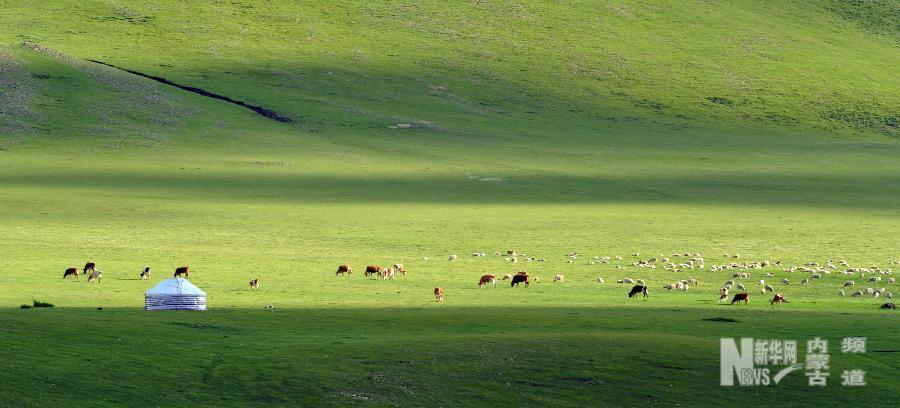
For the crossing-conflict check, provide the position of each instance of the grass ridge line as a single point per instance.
(200, 91)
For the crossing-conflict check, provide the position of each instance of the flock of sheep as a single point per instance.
(678, 262)
(687, 261)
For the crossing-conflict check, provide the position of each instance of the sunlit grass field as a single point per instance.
(541, 128)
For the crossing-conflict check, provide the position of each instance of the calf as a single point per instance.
(254, 283)
(145, 273)
(638, 289)
(520, 277)
(779, 298)
(90, 266)
(400, 269)
(181, 270)
(95, 275)
(372, 270)
(485, 279)
(439, 294)
(344, 268)
(71, 272)
(739, 297)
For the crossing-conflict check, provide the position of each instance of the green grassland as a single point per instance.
(765, 129)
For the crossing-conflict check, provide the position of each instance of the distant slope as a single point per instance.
(461, 67)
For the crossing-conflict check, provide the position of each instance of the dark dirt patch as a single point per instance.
(720, 319)
(718, 100)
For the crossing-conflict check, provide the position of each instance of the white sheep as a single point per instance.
(600, 280)
(559, 278)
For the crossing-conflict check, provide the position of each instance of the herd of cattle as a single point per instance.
(695, 261)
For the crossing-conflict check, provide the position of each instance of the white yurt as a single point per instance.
(175, 294)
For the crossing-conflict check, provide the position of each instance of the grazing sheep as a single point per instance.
(629, 281)
(741, 287)
(762, 282)
(876, 294)
(507, 276)
(857, 294)
(600, 280)
(786, 281)
(889, 295)
(641, 282)
(841, 292)
(891, 280)
(805, 282)
(452, 258)
(849, 283)
(559, 278)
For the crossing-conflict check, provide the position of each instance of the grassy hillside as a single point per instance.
(764, 129)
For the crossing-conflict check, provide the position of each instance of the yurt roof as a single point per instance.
(175, 286)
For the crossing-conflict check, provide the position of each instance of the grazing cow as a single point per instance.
(90, 266)
(344, 268)
(387, 273)
(400, 269)
(638, 289)
(485, 279)
(779, 298)
(559, 278)
(145, 273)
(70, 272)
(372, 270)
(520, 277)
(95, 275)
(254, 283)
(439, 294)
(181, 270)
(739, 297)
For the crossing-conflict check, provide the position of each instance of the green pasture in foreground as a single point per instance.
(738, 128)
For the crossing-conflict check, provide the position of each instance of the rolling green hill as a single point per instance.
(424, 129)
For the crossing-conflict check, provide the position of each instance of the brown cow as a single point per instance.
(520, 277)
(254, 283)
(71, 272)
(345, 268)
(400, 269)
(485, 279)
(90, 266)
(181, 270)
(372, 270)
(779, 298)
(439, 294)
(739, 297)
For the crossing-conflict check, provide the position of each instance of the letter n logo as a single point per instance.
(734, 362)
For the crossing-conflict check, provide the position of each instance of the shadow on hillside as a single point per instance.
(823, 191)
